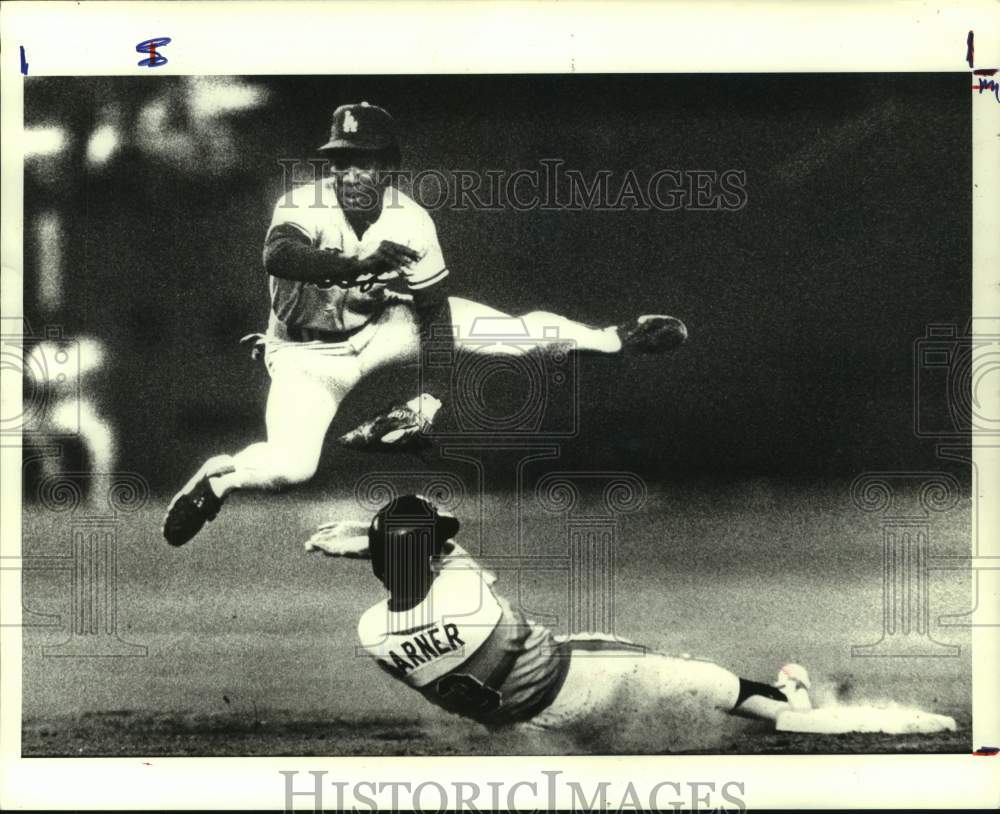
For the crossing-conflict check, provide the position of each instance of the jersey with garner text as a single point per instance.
(330, 308)
(466, 649)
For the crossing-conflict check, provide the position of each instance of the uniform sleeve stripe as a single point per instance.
(434, 278)
(290, 223)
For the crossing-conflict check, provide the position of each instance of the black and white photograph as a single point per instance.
(507, 413)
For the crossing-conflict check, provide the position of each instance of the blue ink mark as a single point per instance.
(988, 85)
(984, 85)
(155, 60)
(986, 751)
(24, 62)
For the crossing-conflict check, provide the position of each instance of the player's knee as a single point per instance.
(545, 327)
(543, 324)
(289, 470)
(292, 474)
(705, 680)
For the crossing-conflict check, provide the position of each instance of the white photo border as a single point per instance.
(247, 38)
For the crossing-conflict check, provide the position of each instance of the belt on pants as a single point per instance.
(299, 334)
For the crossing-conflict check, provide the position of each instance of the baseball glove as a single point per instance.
(406, 427)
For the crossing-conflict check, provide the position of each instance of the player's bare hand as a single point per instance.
(340, 539)
(389, 256)
(366, 282)
(345, 528)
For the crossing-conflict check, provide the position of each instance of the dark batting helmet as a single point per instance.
(406, 533)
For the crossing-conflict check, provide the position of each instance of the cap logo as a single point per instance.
(350, 123)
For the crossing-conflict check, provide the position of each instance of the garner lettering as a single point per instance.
(430, 647)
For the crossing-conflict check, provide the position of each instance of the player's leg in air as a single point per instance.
(333, 320)
(474, 322)
(307, 386)
(480, 329)
(309, 380)
(308, 383)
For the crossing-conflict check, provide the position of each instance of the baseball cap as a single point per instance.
(361, 127)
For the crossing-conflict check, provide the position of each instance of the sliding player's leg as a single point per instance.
(624, 700)
(671, 680)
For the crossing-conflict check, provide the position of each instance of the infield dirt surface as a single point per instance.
(250, 641)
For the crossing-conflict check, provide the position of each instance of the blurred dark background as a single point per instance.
(147, 201)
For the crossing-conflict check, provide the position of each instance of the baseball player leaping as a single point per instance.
(354, 286)
(445, 632)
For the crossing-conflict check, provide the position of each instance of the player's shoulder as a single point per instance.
(401, 205)
(304, 195)
(459, 565)
(372, 626)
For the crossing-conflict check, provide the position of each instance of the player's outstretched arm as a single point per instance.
(290, 255)
(344, 538)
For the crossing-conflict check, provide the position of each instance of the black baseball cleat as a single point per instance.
(652, 333)
(193, 506)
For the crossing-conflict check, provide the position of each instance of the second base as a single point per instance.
(845, 719)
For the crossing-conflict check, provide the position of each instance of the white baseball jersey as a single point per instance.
(466, 649)
(308, 305)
